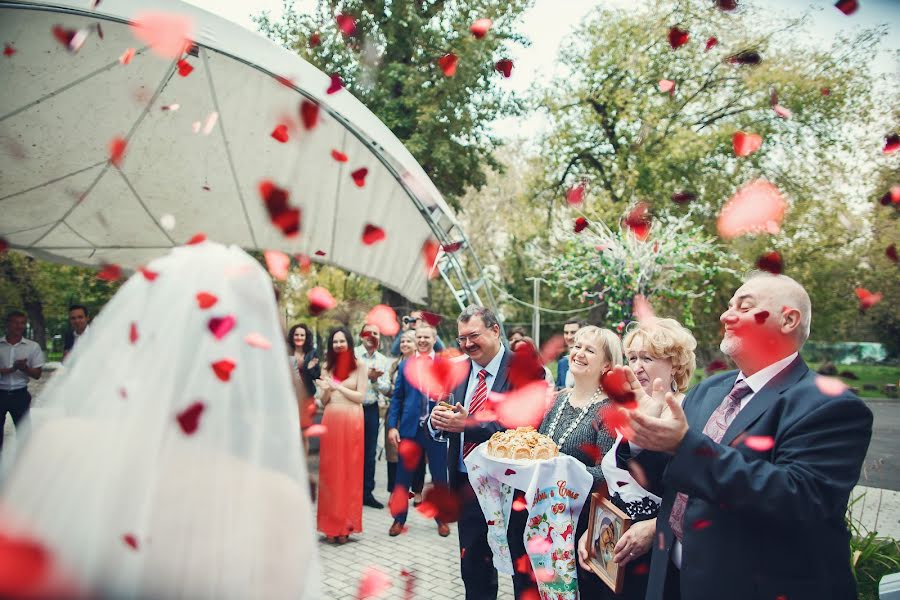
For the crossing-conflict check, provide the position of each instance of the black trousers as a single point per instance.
(371, 419)
(476, 559)
(16, 403)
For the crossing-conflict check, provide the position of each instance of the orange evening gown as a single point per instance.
(341, 467)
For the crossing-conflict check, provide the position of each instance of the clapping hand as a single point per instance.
(662, 434)
(451, 420)
(652, 405)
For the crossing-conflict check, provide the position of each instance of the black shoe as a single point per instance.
(371, 501)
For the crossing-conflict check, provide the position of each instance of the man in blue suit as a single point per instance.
(761, 464)
(570, 328)
(406, 421)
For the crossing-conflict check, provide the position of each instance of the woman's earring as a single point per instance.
(673, 386)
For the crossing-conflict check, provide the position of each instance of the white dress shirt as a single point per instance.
(10, 353)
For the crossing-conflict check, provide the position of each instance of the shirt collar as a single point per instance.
(759, 379)
(494, 366)
(430, 354)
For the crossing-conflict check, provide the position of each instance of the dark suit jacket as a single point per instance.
(406, 404)
(764, 524)
(480, 431)
(562, 369)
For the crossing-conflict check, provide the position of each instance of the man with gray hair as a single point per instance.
(761, 463)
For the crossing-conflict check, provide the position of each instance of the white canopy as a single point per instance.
(61, 199)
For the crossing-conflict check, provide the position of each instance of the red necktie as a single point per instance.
(715, 429)
(478, 399)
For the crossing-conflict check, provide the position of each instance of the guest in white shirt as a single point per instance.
(376, 365)
(21, 359)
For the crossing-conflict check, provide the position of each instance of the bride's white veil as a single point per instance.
(166, 460)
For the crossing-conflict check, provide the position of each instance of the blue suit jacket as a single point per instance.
(562, 368)
(406, 404)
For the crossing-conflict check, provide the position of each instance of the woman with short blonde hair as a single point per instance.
(664, 340)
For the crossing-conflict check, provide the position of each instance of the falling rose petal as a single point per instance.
(339, 156)
(580, 224)
(315, 39)
(848, 7)
(538, 545)
(575, 194)
(384, 318)
(747, 57)
(480, 27)
(72, 39)
(504, 67)
(409, 452)
(372, 584)
(825, 91)
(206, 300)
(892, 196)
(282, 215)
(439, 376)
(638, 221)
(303, 262)
(509, 472)
(223, 368)
(372, 234)
(830, 386)
(890, 252)
(615, 385)
(278, 263)
(184, 68)
(280, 133)
(524, 406)
(320, 300)
(346, 24)
(525, 365)
(127, 56)
(716, 365)
(8, 50)
(782, 112)
(167, 34)
(170, 107)
(642, 309)
(759, 443)
(519, 504)
(770, 262)
(451, 247)
(543, 575)
(148, 274)
(198, 238)
(359, 176)
(523, 563)
(117, 150)
(315, 430)
(761, 317)
(309, 114)
(592, 451)
(110, 272)
(678, 37)
(756, 207)
(552, 348)
(867, 299)
(220, 326)
(667, 86)
(448, 64)
(891, 144)
(683, 197)
(431, 318)
(257, 340)
(336, 84)
(711, 43)
(745, 144)
(211, 121)
(700, 524)
(4, 245)
(398, 503)
(189, 418)
(726, 5)
(319, 253)
(133, 333)
(130, 540)
(430, 249)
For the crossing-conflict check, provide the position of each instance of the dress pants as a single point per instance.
(370, 442)
(437, 465)
(16, 403)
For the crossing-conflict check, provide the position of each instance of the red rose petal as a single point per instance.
(309, 114)
(4, 245)
(347, 24)
(593, 452)
(440, 376)
(127, 56)
(303, 262)
(756, 207)
(220, 326)
(678, 37)
(189, 418)
(867, 299)
(523, 563)
(198, 238)
(339, 156)
(782, 112)
(205, 300)
(315, 39)
(683, 197)
(319, 253)
(130, 540)
(747, 57)
(580, 224)
(398, 503)
(745, 144)
(761, 317)
(439, 502)
(521, 407)
(223, 368)
(359, 176)
(431, 318)
(448, 64)
(480, 27)
(430, 250)
(372, 234)
(384, 318)
(372, 584)
(452, 246)
(716, 365)
(257, 340)
(509, 472)
(575, 194)
(409, 452)
(711, 43)
(110, 272)
(184, 68)
(726, 5)
(770, 262)
(890, 252)
(538, 545)
(117, 150)
(759, 443)
(336, 85)
(280, 133)
(315, 430)
(830, 386)
(667, 86)
(700, 524)
(848, 7)
(891, 144)
(320, 300)
(615, 385)
(133, 333)
(519, 504)
(148, 274)
(638, 221)
(167, 34)
(278, 263)
(8, 50)
(25, 566)
(825, 91)
(282, 215)
(504, 67)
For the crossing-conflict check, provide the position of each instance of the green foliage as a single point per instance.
(390, 64)
(871, 557)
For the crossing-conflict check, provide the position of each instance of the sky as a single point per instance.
(548, 23)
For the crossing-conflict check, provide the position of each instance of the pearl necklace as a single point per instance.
(552, 429)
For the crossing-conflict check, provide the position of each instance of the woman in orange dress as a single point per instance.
(343, 388)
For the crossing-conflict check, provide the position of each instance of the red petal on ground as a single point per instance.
(309, 114)
(711, 43)
(130, 540)
(890, 252)
(8, 50)
(336, 85)
(580, 224)
(220, 326)
(521, 407)
(745, 144)
(189, 418)
(683, 197)
(615, 385)
(133, 333)
(891, 144)
(504, 66)
(448, 63)
(409, 452)
(339, 156)
(759, 443)
(867, 299)
(167, 34)
(770, 262)
(257, 340)
(205, 300)
(110, 272)
(431, 318)
(440, 376)
(278, 263)
(480, 27)
(848, 7)
(359, 176)
(678, 37)
(756, 208)
(280, 133)
(552, 348)
(320, 300)
(384, 318)
(347, 24)
(117, 150)
(638, 221)
(184, 68)
(223, 368)
(372, 584)
(575, 194)
(372, 234)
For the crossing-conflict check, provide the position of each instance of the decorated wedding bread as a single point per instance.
(522, 443)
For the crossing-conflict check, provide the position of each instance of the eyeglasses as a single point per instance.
(468, 338)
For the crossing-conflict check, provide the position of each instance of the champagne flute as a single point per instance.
(447, 398)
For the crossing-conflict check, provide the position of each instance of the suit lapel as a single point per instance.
(697, 417)
(764, 398)
(501, 382)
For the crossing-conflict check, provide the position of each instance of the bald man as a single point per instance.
(759, 467)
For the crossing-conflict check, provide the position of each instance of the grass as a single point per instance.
(871, 557)
(877, 375)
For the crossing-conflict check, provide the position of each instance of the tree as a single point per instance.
(390, 63)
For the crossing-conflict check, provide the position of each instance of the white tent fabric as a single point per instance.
(61, 199)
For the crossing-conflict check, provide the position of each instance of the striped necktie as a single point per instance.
(478, 400)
